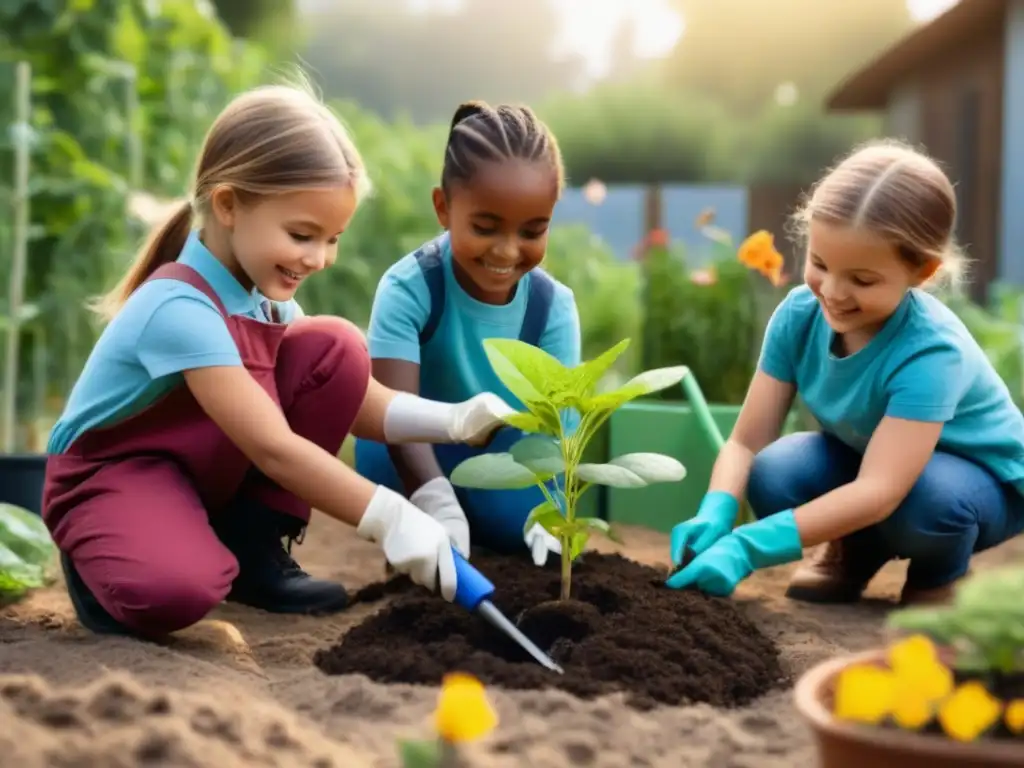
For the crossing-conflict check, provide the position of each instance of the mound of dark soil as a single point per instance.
(623, 630)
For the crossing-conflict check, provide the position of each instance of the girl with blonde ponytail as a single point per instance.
(208, 418)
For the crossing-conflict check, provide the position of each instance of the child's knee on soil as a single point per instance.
(158, 599)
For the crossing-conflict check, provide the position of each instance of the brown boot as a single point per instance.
(936, 596)
(833, 575)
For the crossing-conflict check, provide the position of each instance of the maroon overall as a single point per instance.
(131, 504)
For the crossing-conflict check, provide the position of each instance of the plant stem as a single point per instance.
(570, 459)
(566, 568)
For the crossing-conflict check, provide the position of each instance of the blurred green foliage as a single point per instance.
(642, 133)
(999, 330)
(711, 319)
(607, 289)
(93, 59)
(93, 62)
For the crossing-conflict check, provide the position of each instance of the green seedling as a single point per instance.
(551, 456)
(984, 623)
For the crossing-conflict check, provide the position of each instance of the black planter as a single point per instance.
(21, 480)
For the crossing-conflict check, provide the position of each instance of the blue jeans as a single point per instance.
(496, 518)
(955, 508)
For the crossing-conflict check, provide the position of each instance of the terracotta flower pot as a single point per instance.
(852, 745)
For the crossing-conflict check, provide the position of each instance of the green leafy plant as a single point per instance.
(984, 623)
(557, 399)
(26, 550)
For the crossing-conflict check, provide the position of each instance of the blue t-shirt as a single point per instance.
(453, 364)
(923, 365)
(165, 327)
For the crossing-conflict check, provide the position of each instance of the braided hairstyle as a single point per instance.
(482, 133)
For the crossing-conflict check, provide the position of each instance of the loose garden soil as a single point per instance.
(240, 689)
(622, 630)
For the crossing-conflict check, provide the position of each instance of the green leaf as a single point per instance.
(17, 576)
(652, 467)
(541, 455)
(548, 415)
(601, 526)
(536, 374)
(640, 385)
(937, 623)
(548, 516)
(529, 422)
(507, 369)
(26, 314)
(493, 471)
(419, 754)
(577, 543)
(633, 470)
(609, 474)
(587, 375)
(656, 379)
(25, 535)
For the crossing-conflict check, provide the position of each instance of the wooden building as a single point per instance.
(955, 86)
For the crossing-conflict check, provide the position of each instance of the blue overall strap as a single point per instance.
(538, 307)
(432, 266)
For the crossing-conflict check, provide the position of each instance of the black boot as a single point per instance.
(268, 578)
(90, 613)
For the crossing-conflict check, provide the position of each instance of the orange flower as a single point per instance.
(705, 218)
(758, 252)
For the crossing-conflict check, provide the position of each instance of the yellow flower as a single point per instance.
(864, 693)
(915, 662)
(969, 712)
(463, 712)
(911, 708)
(1015, 716)
(911, 652)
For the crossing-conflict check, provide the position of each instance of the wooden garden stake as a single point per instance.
(16, 288)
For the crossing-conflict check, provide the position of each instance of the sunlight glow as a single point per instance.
(926, 10)
(590, 28)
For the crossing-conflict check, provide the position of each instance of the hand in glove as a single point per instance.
(413, 419)
(540, 543)
(717, 570)
(413, 542)
(437, 498)
(714, 519)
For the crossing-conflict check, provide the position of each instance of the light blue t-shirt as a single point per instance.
(453, 364)
(923, 365)
(165, 327)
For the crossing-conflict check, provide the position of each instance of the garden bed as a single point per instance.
(255, 671)
(623, 630)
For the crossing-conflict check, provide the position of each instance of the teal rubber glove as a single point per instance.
(714, 519)
(772, 541)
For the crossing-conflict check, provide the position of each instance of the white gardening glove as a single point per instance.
(413, 419)
(474, 421)
(540, 542)
(412, 541)
(437, 498)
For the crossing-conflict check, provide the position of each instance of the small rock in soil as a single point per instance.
(622, 631)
